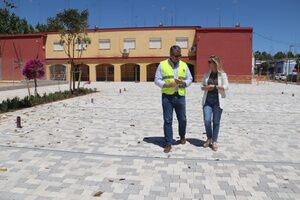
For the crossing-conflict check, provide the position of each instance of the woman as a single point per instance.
(215, 83)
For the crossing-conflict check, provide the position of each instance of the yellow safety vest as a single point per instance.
(168, 76)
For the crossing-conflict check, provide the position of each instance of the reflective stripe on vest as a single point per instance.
(168, 76)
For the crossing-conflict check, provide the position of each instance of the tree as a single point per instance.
(297, 67)
(266, 56)
(265, 67)
(33, 70)
(290, 54)
(297, 63)
(71, 25)
(41, 28)
(9, 4)
(262, 55)
(280, 55)
(53, 25)
(12, 24)
(257, 55)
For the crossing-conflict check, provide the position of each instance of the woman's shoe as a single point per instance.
(207, 143)
(167, 148)
(214, 146)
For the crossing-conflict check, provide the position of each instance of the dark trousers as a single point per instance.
(170, 103)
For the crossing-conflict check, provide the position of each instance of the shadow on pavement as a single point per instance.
(195, 142)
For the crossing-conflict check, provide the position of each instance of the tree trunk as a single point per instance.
(74, 80)
(79, 79)
(71, 75)
(27, 83)
(35, 87)
(74, 76)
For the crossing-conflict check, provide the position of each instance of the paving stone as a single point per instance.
(115, 146)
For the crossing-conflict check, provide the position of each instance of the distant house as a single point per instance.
(284, 66)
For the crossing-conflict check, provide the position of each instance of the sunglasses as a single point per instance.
(178, 56)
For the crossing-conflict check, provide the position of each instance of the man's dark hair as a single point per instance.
(175, 48)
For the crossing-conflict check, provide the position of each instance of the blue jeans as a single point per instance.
(169, 103)
(212, 115)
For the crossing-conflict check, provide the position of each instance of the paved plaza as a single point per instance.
(113, 147)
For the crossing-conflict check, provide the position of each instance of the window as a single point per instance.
(57, 46)
(110, 70)
(129, 44)
(81, 46)
(182, 42)
(155, 43)
(104, 44)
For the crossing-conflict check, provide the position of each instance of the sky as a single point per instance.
(276, 23)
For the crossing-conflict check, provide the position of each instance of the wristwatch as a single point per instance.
(215, 87)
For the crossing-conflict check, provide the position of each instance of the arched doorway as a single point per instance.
(151, 70)
(130, 72)
(85, 72)
(105, 72)
(192, 70)
(58, 72)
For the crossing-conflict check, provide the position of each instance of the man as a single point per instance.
(173, 76)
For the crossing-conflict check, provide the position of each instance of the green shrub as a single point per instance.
(26, 102)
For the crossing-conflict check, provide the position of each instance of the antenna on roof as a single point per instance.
(67, 4)
(220, 17)
(135, 20)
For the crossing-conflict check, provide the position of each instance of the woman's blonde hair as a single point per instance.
(216, 60)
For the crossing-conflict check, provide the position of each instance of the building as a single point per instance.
(16, 50)
(233, 45)
(133, 54)
(283, 66)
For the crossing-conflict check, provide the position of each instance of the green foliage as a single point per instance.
(41, 28)
(280, 55)
(14, 103)
(71, 20)
(290, 54)
(297, 62)
(71, 25)
(68, 21)
(265, 66)
(262, 55)
(26, 102)
(12, 24)
(9, 4)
